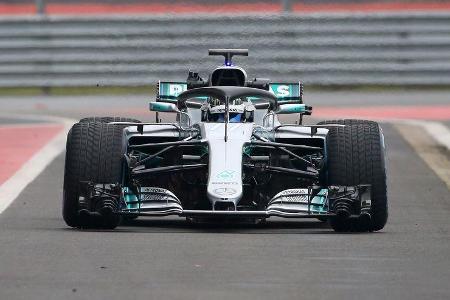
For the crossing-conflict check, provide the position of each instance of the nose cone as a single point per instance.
(225, 162)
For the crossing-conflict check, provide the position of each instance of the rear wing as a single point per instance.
(168, 91)
(287, 92)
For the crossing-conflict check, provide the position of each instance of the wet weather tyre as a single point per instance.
(93, 153)
(348, 122)
(108, 120)
(344, 122)
(356, 155)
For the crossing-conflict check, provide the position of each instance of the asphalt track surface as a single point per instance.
(165, 258)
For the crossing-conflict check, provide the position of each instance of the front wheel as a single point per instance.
(356, 155)
(93, 154)
(108, 120)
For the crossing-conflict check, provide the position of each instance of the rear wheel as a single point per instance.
(356, 155)
(93, 153)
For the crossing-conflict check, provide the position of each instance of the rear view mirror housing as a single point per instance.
(293, 108)
(164, 107)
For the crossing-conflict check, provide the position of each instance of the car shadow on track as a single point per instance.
(178, 225)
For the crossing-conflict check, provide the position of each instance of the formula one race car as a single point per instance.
(226, 158)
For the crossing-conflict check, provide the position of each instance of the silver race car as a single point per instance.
(227, 157)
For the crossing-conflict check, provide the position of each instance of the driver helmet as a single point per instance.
(236, 110)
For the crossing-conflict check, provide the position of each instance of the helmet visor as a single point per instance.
(235, 117)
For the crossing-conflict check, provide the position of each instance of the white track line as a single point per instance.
(438, 131)
(419, 139)
(11, 188)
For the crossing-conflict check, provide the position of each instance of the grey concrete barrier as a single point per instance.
(324, 49)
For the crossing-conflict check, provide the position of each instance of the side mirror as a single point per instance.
(293, 108)
(164, 107)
